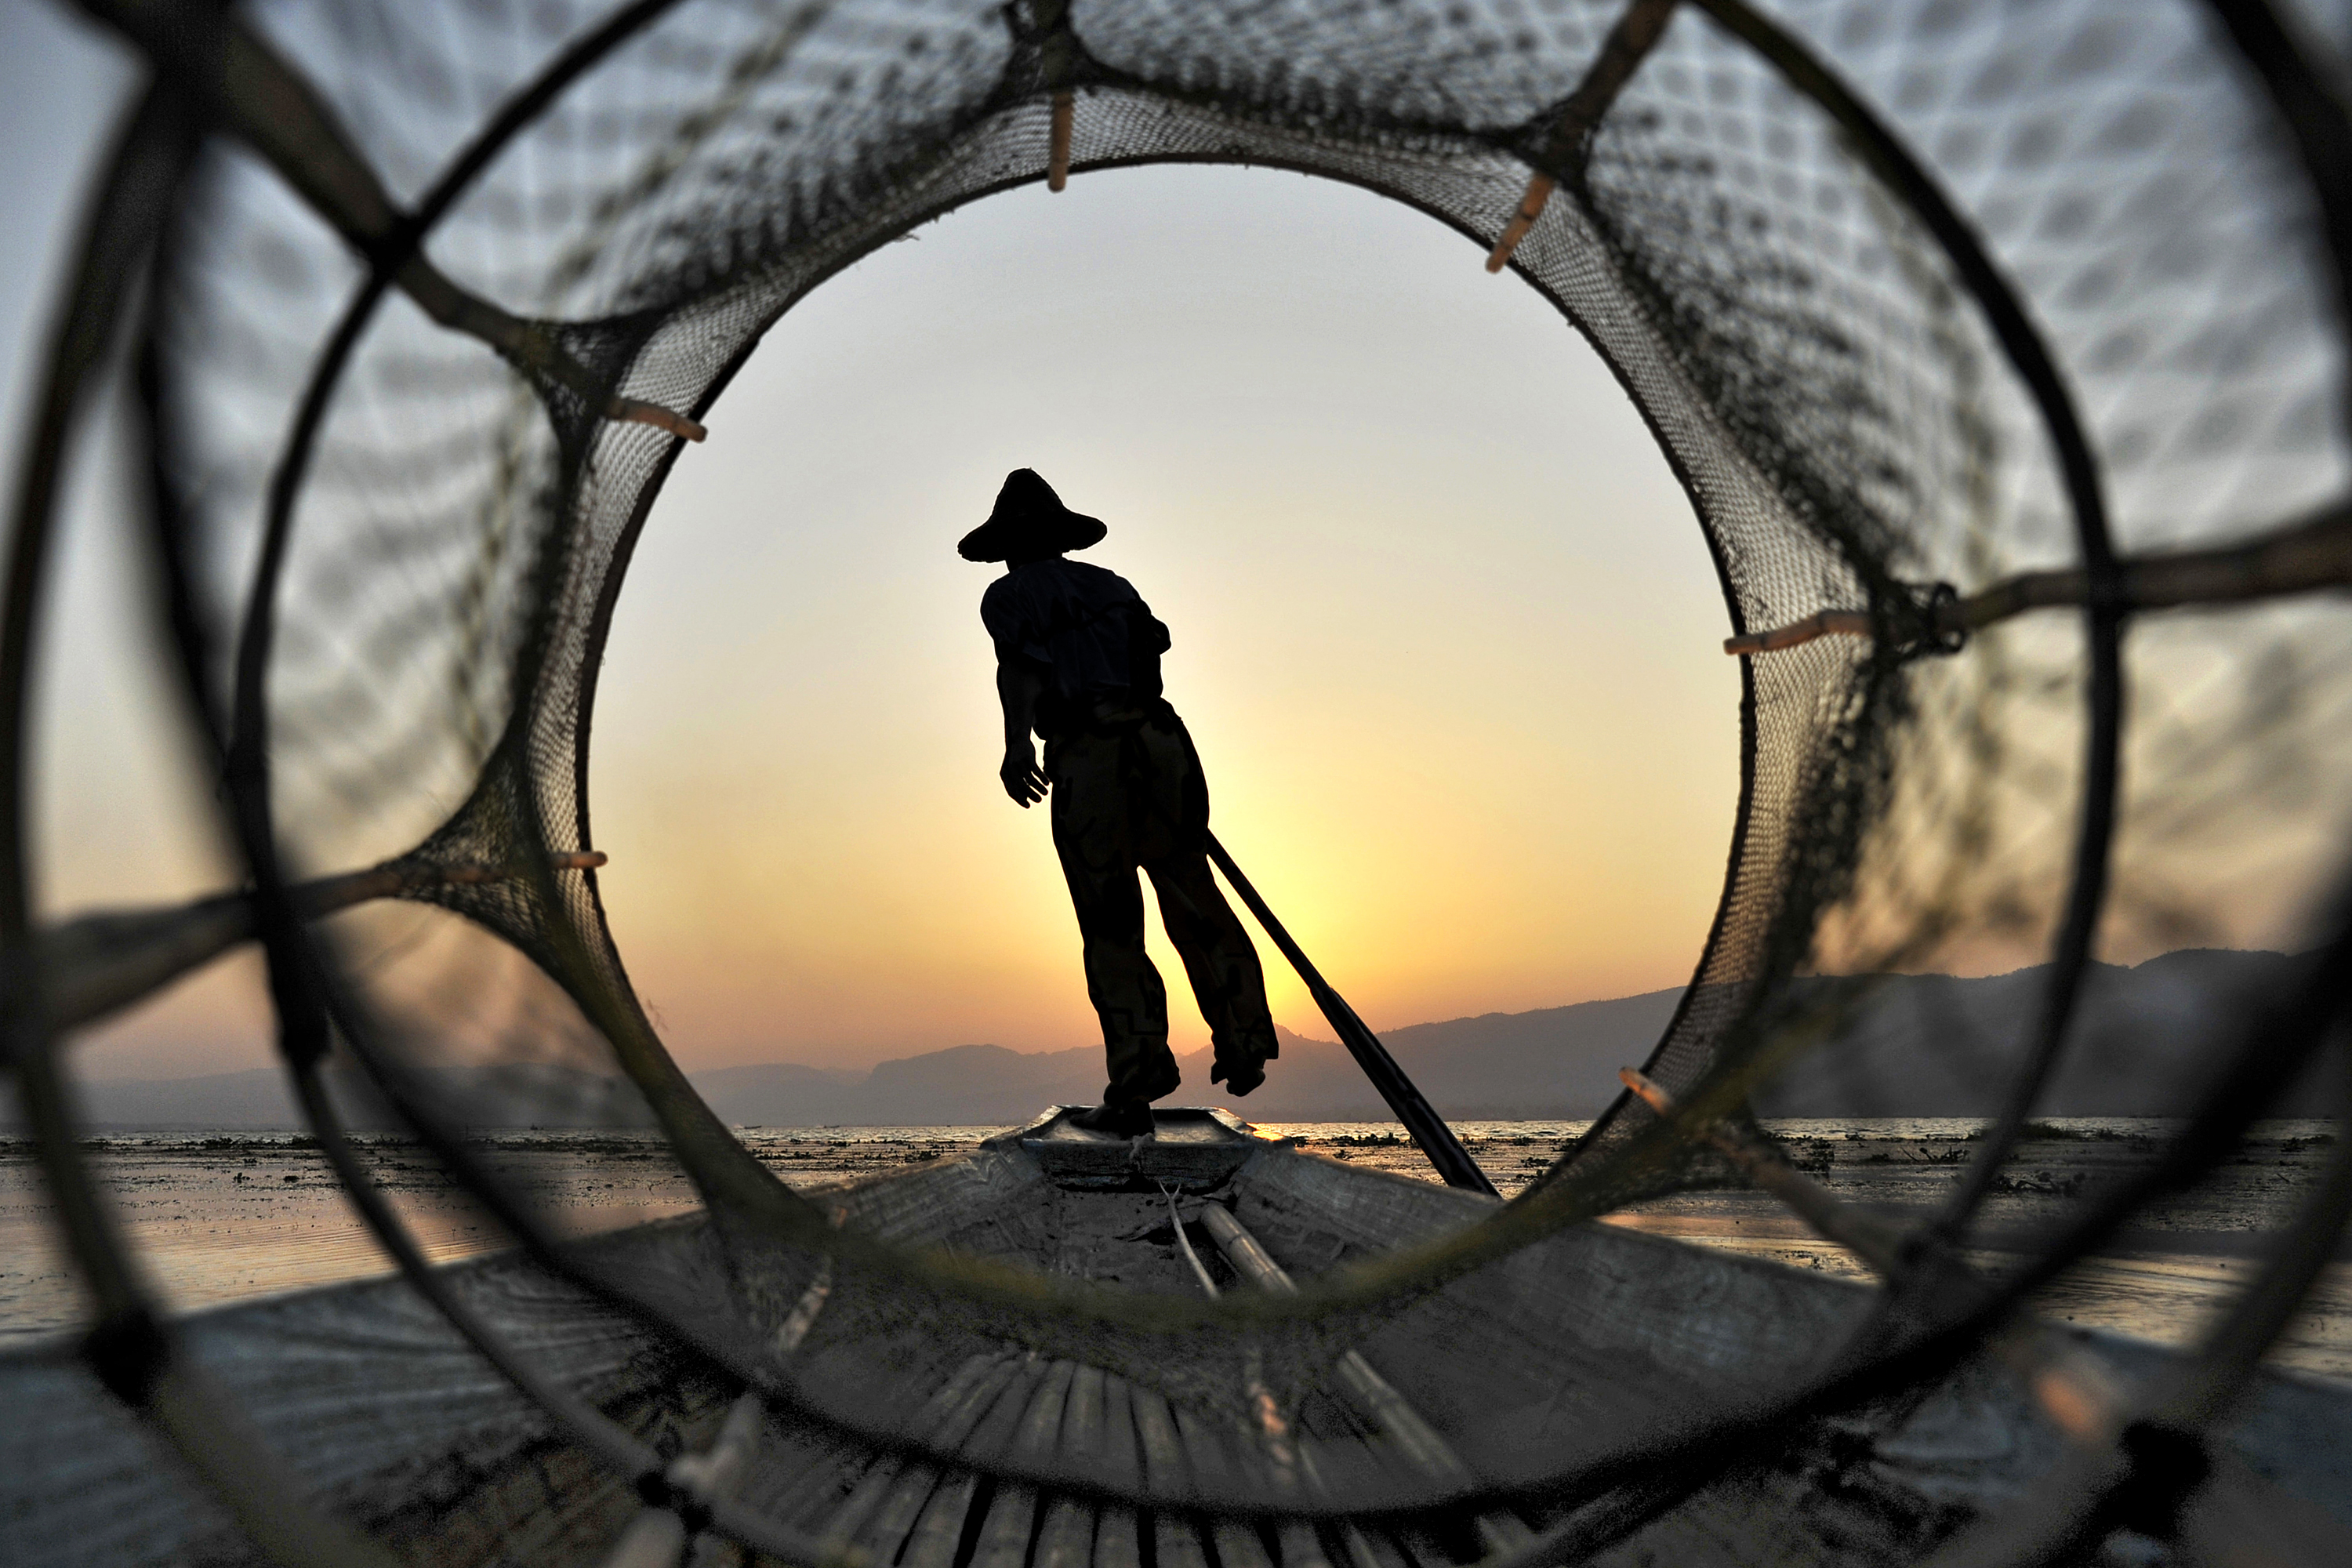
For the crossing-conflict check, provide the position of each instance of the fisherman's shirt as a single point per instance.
(1086, 629)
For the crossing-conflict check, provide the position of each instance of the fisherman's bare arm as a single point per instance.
(1017, 688)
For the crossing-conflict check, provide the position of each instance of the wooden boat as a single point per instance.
(1569, 1348)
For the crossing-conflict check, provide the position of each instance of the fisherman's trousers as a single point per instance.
(1128, 793)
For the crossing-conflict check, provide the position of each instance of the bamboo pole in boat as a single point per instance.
(1410, 1437)
(1282, 1451)
(2302, 557)
(1399, 1421)
(1185, 1244)
(1427, 1129)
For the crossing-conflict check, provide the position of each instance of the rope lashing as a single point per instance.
(2302, 557)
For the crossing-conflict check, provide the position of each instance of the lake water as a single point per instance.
(221, 1217)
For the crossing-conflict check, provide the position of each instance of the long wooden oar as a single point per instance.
(1427, 1129)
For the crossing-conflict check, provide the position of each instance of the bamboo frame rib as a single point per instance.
(2302, 557)
(102, 962)
(2028, 354)
(1411, 1438)
(264, 102)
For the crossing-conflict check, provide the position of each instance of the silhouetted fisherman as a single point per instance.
(1077, 660)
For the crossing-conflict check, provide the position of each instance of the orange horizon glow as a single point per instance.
(1446, 634)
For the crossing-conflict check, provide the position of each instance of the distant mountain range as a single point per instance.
(1915, 1045)
(2147, 1041)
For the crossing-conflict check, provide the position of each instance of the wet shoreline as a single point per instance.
(221, 1217)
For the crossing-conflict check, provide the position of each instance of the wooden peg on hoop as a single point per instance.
(1821, 624)
(1635, 33)
(462, 874)
(1531, 206)
(636, 411)
(2310, 554)
(1057, 157)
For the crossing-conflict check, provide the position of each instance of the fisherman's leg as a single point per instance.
(1221, 962)
(1097, 850)
(1125, 987)
(1219, 958)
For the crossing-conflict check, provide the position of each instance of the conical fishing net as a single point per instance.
(1923, 300)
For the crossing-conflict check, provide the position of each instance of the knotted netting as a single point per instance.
(1919, 299)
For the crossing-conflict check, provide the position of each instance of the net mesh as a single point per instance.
(1818, 370)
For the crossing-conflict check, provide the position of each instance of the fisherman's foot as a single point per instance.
(1238, 1080)
(1120, 1120)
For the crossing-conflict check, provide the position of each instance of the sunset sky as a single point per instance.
(1445, 631)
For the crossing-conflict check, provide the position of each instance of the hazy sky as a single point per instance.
(1445, 631)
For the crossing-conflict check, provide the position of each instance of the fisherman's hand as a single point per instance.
(1023, 780)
